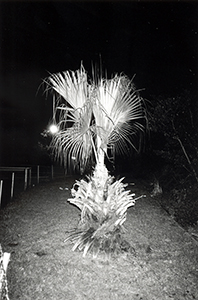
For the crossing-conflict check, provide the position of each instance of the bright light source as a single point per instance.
(53, 129)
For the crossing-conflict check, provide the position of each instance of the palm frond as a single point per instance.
(94, 116)
(74, 144)
(71, 86)
(117, 109)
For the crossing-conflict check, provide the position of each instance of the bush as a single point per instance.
(173, 120)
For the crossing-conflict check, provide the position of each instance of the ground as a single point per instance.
(33, 229)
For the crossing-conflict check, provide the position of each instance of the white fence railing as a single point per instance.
(14, 179)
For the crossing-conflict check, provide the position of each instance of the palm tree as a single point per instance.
(96, 119)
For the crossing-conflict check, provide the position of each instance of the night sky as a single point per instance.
(157, 41)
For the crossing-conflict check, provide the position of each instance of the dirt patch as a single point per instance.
(42, 266)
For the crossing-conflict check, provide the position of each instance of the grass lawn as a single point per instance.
(33, 229)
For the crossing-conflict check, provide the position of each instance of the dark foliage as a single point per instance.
(173, 125)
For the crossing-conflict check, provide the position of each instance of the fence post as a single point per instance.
(1, 189)
(4, 260)
(52, 171)
(12, 186)
(25, 184)
(38, 174)
(30, 176)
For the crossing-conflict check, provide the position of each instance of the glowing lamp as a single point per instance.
(53, 129)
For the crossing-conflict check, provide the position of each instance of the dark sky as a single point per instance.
(157, 41)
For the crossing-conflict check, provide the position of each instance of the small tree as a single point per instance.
(96, 119)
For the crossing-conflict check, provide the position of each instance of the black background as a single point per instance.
(157, 41)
